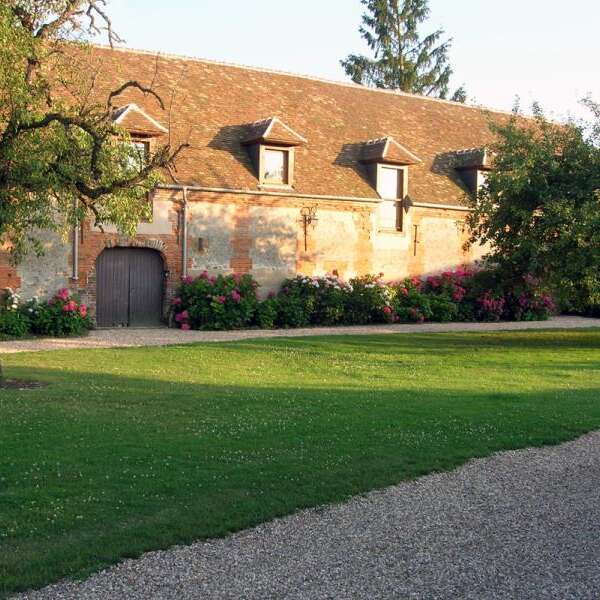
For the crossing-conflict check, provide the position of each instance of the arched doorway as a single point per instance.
(129, 287)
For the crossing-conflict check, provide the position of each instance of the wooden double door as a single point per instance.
(129, 287)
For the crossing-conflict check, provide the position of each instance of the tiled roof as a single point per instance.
(388, 150)
(214, 103)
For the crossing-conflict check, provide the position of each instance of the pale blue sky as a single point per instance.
(538, 49)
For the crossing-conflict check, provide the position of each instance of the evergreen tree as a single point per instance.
(402, 60)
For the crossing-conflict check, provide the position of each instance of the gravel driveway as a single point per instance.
(517, 525)
(122, 338)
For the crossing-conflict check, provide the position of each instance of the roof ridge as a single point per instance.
(303, 76)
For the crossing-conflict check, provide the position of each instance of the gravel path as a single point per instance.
(517, 525)
(121, 338)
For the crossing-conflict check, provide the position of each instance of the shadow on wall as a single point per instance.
(260, 238)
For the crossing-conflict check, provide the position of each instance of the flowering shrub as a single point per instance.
(266, 313)
(411, 305)
(296, 302)
(13, 322)
(490, 306)
(61, 315)
(369, 300)
(312, 300)
(529, 301)
(230, 302)
(215, 302)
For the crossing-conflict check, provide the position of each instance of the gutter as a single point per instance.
(75, 265)
(214, 190)
(184, 241)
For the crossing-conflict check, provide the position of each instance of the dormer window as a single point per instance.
(140, 154)
(275, 166)
(387, 164)
(473, 166)
(271, 145)
(389, 182)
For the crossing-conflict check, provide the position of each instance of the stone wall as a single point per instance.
(261, 234)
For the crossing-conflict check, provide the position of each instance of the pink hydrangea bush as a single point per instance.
(215, 302)
(62, 315)
(411, 304)
(230, 302)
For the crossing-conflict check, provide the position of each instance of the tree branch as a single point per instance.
(147, 91)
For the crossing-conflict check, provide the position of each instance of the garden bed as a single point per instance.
(231, 302)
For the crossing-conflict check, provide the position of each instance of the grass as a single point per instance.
(135, 449)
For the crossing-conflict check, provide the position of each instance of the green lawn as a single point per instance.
(136, 449)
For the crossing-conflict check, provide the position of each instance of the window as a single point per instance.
(139, 156)
(275, 166)
(137, 160)
(390, 183)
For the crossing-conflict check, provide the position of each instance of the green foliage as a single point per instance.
(221, 302)
(403, 60)
(411, 304)
(13, 324)
(540, 207)
(137, 449)
(266, 313)
(368, 301)
(62, 158)
(13, 321)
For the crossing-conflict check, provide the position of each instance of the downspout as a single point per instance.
(184, 241)
(75, 265)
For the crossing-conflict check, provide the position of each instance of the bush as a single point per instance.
(221, 302)
(13, 323)
(62, 315)
(307, 300)
(410, 304)
(296, 302)
(528, 300)
(368, 300)
(266, 313)
(230, 302)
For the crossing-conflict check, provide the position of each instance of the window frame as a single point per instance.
(136, 140)
(402, 174)
(288, 153)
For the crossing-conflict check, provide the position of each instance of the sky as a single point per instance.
(538, 50)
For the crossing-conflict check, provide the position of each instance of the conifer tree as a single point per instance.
(403, 60)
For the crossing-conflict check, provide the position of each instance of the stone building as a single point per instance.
(285, 174)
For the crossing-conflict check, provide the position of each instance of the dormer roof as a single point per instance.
(272, 131)
(473, 158)
(387, 150)
(135, 120)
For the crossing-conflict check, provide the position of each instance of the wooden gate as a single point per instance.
(129, 287)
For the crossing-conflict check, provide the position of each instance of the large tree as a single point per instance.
(403, 60)
(540, 207)
(62, 158)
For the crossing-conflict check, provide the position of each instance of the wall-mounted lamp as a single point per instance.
(309, 216)
(202, 245)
